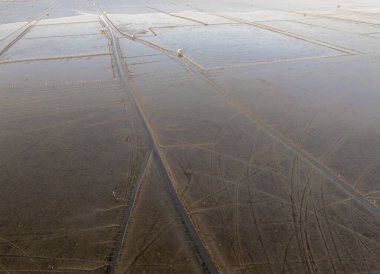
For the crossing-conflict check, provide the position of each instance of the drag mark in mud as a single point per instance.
(22, 251)
(305, 156)
(159, 159)
(292, 146)
(126, 217)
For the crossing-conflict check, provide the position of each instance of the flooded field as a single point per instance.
(189, 136)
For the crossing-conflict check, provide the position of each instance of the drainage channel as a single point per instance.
(161, 163)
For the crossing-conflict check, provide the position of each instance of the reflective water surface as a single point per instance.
(256, 150)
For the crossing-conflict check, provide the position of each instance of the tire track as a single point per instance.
(300, 152)
(125, 221)
(275, 134)
(320, 230)
(295, 148)
(159, 157)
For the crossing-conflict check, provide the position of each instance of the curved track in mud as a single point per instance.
(256, 150)
(163, 168)
(330, 175)
(295, 148)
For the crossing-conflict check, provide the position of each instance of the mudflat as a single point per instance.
(189, 136)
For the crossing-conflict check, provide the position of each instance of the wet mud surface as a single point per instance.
(255, 151)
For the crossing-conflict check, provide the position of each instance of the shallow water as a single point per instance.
(230, 45)
(262, 140)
